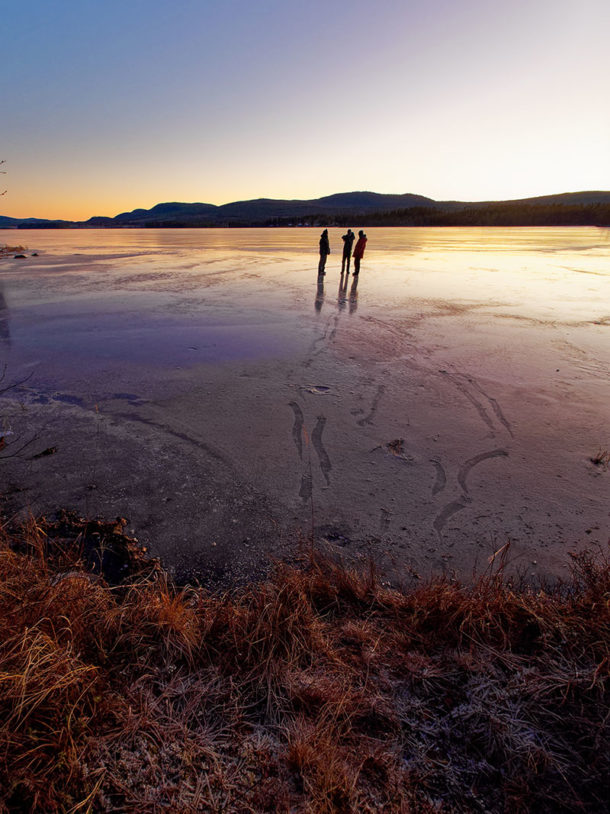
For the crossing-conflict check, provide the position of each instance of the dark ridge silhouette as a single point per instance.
(590, 208)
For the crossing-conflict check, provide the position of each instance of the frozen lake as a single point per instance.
(207, 385)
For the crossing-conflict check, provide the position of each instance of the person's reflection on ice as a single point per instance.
(353, 295)
(319, 293)
(342, 294)
(5, 331)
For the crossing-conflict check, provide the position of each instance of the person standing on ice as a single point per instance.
(324, 251)
(348, 241)
(359, 251)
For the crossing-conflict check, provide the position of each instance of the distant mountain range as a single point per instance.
(352, 208)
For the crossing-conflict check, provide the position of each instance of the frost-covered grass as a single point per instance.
(318, 690)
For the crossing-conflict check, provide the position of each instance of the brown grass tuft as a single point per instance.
(316, 691)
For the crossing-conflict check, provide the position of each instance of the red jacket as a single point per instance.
(359, 249)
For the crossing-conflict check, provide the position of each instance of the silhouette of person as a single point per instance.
(359, 251)
(324, 251)
(348, 241)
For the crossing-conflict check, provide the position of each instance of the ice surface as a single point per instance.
(209, 386)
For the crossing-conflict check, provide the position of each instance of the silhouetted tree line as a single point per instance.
(501, 214)
(490, 215)
(496, 215)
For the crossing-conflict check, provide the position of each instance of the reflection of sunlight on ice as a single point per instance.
(543, 274)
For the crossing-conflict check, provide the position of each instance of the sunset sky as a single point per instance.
(108, 105)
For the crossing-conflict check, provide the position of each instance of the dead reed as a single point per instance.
(318, 690)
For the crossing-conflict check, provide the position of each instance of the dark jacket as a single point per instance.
(324, 244)
(348, 242)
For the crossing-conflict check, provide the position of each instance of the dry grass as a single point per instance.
(316, 691)
(7, 250)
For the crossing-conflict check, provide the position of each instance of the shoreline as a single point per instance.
(362, 222)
